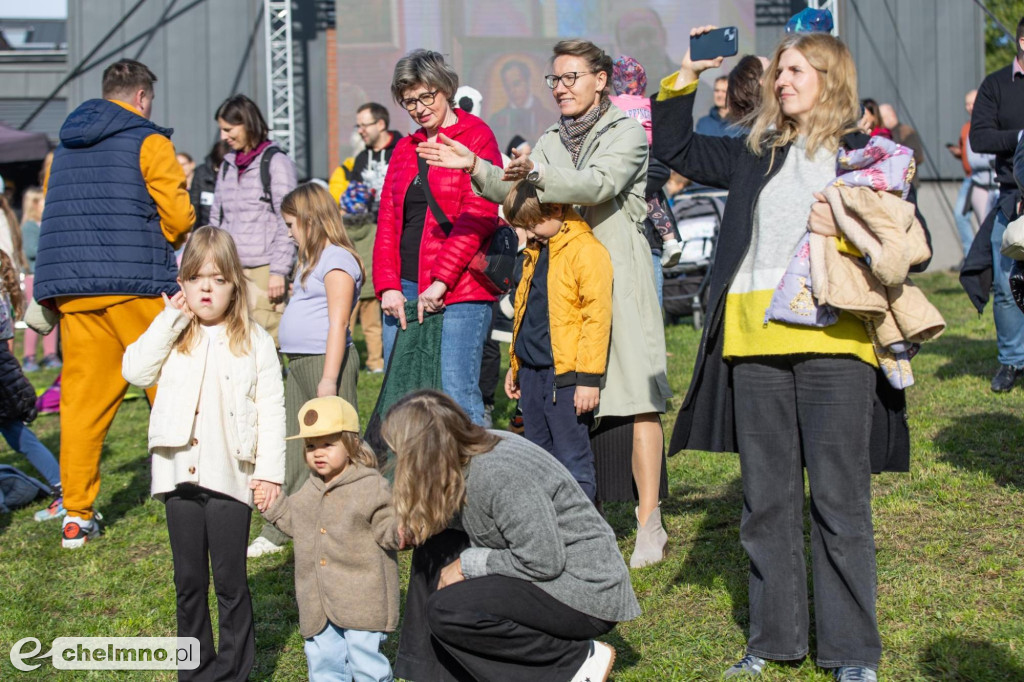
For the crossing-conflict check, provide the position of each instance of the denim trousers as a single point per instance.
(1008, 317)
(23, 440)
(963, 216)
(554, 425)
(659, 276)
(462, 342)
(792, 413)
(343, 655)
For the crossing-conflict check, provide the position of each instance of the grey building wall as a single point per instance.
(201, 52)
(26, 80)
(922, 56)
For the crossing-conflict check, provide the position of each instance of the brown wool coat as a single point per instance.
(345, 540)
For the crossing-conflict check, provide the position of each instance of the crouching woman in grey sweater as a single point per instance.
(535, 578)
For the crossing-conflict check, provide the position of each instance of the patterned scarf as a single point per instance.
(572, 131)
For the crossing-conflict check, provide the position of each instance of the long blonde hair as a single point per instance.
(836, 112)
(434, 440)
(316, 214)
(212, 243)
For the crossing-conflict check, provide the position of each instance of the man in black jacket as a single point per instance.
(996, 126)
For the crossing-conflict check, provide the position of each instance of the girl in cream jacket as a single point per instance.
(217, 426)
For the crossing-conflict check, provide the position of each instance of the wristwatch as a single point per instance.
(533, 175)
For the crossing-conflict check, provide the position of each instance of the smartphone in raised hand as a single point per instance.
(721, 42)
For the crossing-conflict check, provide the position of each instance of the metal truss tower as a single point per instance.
(277, 32)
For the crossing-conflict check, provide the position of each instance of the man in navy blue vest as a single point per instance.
(116, 209)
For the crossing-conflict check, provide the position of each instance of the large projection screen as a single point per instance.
(502, 48)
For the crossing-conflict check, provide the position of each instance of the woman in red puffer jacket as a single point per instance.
(413, 257)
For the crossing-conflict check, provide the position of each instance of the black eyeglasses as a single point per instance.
(361, 126)
(568, 78)
(426, 99)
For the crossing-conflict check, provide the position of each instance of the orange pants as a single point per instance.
(92, 387)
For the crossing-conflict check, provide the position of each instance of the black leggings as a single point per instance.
(207, 528)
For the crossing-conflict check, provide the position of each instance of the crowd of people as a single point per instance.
(229, 291)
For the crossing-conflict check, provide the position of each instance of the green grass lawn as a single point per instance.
(949, 536)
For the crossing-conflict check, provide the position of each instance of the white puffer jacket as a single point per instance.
(252, 412)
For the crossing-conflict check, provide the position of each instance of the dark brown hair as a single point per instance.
(523, 208)
(743, 95)
(871, 107)
(378, 111)
(239, 109)
(126, 77)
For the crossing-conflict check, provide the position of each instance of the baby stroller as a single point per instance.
(698, 216)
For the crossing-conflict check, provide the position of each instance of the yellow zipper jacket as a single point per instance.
(579, 303)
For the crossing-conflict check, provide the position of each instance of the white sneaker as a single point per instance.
(76, 531)
(671, 252)
(261, 546)
(598, 665)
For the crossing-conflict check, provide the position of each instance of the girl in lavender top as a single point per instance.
(314, 332)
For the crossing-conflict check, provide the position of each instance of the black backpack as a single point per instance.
(268, 195)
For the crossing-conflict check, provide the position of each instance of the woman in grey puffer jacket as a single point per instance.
(242, 208)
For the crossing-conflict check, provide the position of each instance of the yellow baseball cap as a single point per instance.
(324, 416)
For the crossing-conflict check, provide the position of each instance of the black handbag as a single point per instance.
(1017, 283)
(493, 265)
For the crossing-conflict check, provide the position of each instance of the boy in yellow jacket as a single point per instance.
(561, 329)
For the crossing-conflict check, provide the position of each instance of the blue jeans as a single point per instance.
(21, 439)
(462, 346)
(391, 325)
(1008, 317)
(342, 655)
(963, 216)
(659, 276)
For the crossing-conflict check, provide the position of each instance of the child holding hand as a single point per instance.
(314, 332)
(346, 534)
(560, 331)
(216, 431)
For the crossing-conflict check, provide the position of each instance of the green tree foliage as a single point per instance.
(999, 47)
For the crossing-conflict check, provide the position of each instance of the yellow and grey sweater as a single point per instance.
(780, 220)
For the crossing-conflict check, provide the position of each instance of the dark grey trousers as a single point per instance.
(796, 412)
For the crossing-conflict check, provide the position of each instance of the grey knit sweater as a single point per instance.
(527, 518)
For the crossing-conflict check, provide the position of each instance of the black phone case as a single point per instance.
(722, 42)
